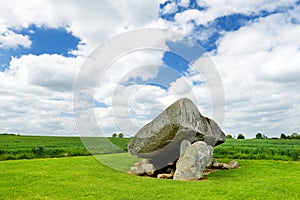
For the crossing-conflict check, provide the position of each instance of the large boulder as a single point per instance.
(192, 163)
(160, 140)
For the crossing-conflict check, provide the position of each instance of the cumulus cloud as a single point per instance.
(170, 8)
(54, 72)
(9, 39)
(186, 20)
(36, 90)
(184, 3)
(259, 66)
(215, 9)
(258, 63)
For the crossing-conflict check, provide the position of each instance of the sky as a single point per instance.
(251, 47)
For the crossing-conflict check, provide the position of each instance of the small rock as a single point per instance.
(233, 164)
(166, 176)
(193, 162)
(217, 165)
(144, 167)
(149, 169)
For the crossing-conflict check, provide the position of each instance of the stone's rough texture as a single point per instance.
(193, 162)
(142, 168)
(160, 140)
(166, 176)
(233, 164)
(185, 144)
(217, 165)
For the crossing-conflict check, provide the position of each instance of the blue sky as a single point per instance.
(253, 45)
(44, 40)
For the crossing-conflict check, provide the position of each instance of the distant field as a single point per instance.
(86, 178)
(262, 149)
(28, 147)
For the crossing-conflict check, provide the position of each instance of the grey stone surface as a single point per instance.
(217, 165)
(185, 144)
(160, 140)
(143, 168)
(233, 164)
(191, 165)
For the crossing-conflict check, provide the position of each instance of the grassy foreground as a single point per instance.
(87, 178)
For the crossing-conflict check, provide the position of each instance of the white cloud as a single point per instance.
(143, 64)
(259, 66)
(40, 86)
(184, 3)
(54, 72)
(170, 8)
(9, 39)
(186, 20)
(217, 9)
(91, 21)
(181, 86)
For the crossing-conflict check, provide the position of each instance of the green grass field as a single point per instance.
(266, 149)
(14, 147)
(87, 178)
(269, 170)
(27, 147)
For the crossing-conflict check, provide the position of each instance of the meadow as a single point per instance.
(14, 147)
(87, 178)
(29, 171)
(261, 149)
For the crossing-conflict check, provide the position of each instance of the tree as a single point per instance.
(264, 136)
(228, 136)
(114, 135)
(282, 136)
(295, 136)
(240, 136)
(120, 135)
(259, 136)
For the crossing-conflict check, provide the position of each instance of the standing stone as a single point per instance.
(193, 162)
(185, 144)
(160, 140)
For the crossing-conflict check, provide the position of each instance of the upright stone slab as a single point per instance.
(191, 165)
(160, 140)
(185, 144)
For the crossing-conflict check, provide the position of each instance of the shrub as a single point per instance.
(114, 135)
(295, 136)
(259, 136)
(228, 136)
(240, 136)
(282, 136)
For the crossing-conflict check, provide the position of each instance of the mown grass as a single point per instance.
(14, 147)
(86, 178)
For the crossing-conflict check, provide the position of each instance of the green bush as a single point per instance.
(240, 136)
(228, 136)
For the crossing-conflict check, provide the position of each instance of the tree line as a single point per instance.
(263, 136)
(115, 135)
